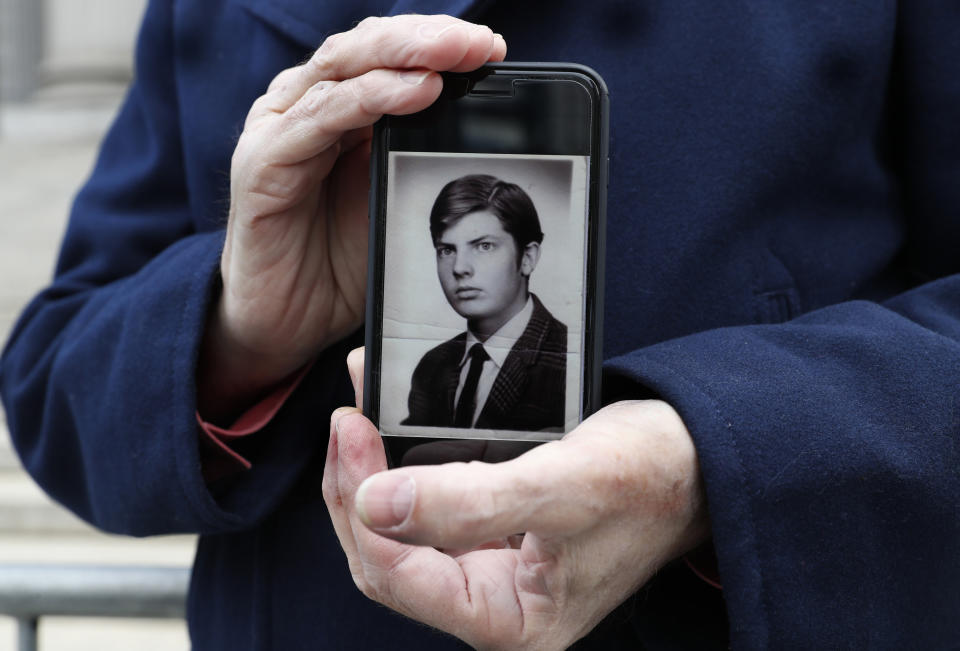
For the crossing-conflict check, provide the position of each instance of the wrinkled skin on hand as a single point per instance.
(601, 510)
(295, 259)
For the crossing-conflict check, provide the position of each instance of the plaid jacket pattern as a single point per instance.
(528, 394)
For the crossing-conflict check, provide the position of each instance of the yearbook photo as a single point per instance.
(483, 304)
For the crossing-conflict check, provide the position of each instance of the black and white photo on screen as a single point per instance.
(483, 272)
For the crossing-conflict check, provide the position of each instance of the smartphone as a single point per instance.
(485, 294)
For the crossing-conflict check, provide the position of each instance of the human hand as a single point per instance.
(602, 509)
(295, 259)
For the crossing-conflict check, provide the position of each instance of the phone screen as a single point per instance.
(485, 258)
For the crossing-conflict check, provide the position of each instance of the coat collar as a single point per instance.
(309, 22)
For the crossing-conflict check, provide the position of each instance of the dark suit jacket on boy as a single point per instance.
(528, 393)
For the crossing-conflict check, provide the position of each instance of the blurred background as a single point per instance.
(64, 68)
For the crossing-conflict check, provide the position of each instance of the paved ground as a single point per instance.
(47, 147)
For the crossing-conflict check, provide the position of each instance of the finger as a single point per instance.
(429, 36)
(329, 109)
(558, 489)
(499, 51)
(332, 495)
(452, 506)
(485, 46)
(420, 582)
(336, 506)
(355, 361)
(361, 454)
(276, 99)
(399, 42)
(339, 488)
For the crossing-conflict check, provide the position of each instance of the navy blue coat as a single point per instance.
(783, 268)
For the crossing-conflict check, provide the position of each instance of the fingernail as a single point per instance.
(414, 77)
(500, 36)
(434, 30)
(385, 500)
(339, 414)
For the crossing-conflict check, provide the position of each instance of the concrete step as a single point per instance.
(97, 548)
(8, 458)
(96, 634)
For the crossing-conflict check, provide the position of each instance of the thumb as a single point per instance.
(460, 505)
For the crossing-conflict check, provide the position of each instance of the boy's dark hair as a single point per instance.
(479, 192)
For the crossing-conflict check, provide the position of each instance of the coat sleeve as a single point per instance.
(98, 375)
(830, 444)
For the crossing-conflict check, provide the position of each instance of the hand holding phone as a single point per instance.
(485, 288)
(601, 511)
(294, 263)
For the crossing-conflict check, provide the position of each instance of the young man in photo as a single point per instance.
(508, 370)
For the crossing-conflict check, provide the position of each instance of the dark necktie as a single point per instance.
(468, 396)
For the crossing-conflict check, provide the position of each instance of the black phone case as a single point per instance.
(489, 79)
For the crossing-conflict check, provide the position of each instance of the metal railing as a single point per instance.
(29, 592)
